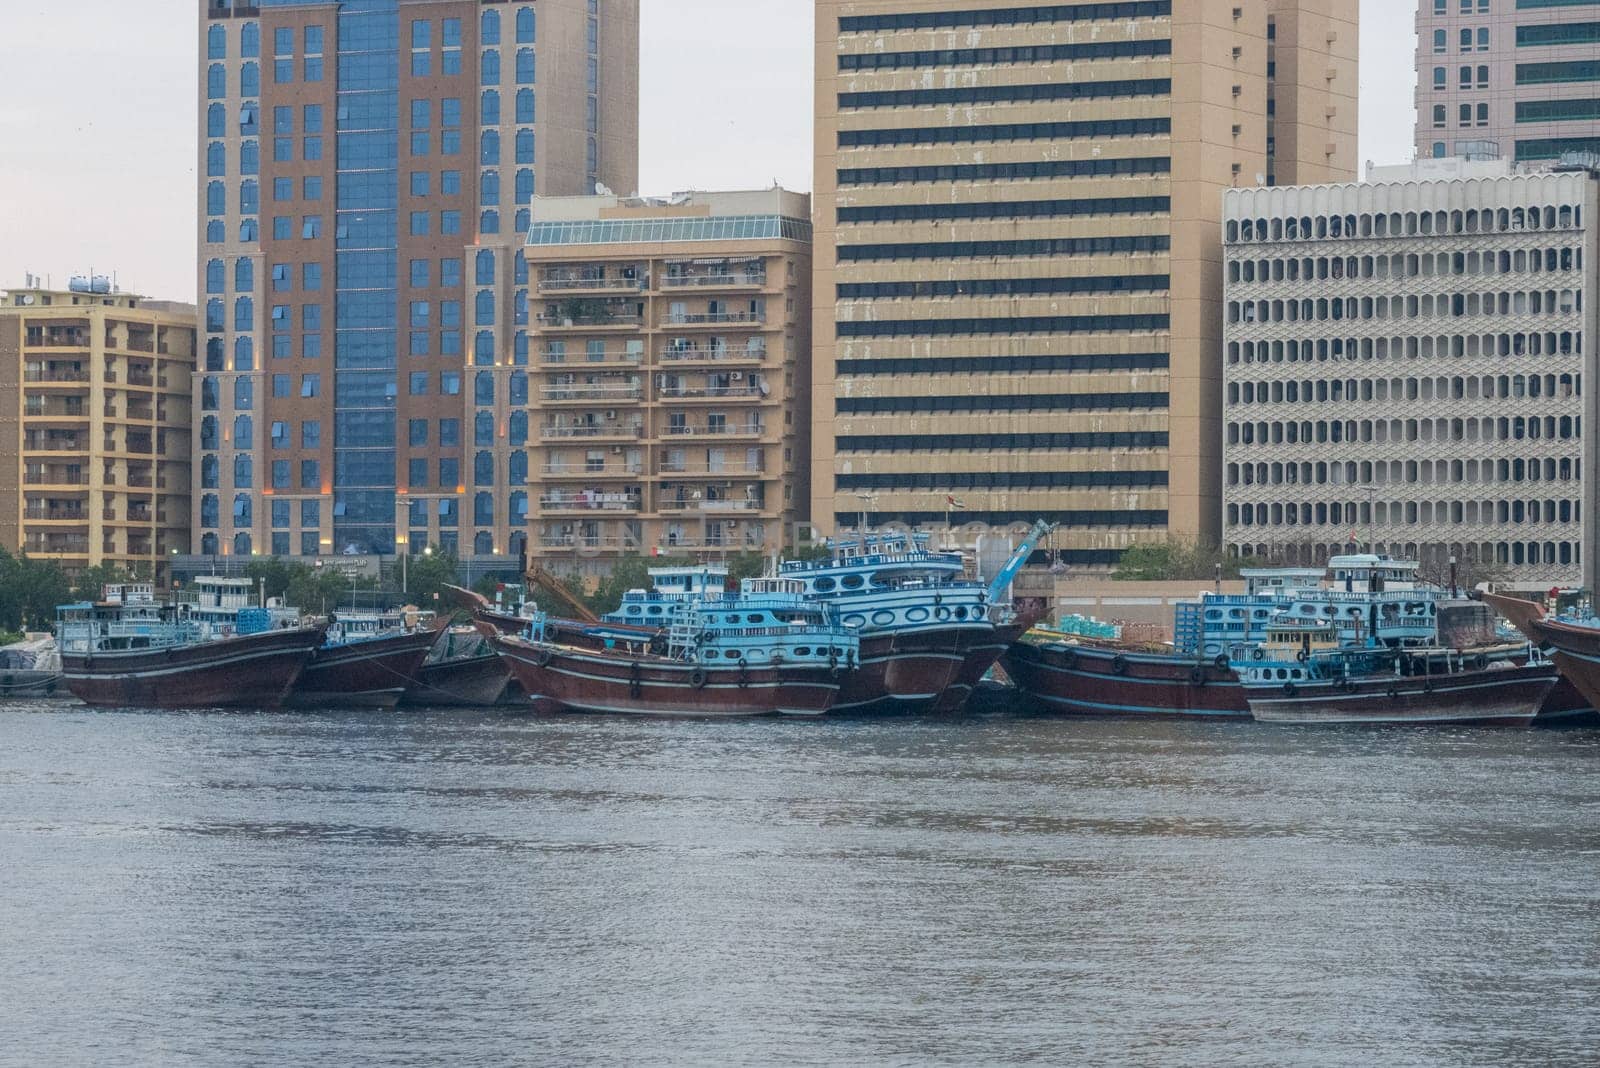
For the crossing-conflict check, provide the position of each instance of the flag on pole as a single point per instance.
(954, 502)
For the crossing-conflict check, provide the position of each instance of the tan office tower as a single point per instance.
(365, 173)
(94, 409)
(672, 338)
(1018, 250)
(1520, 81)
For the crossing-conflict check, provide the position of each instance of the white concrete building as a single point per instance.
(1405, 361)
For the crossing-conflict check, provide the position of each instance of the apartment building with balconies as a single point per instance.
(94, 426)
(668, 410)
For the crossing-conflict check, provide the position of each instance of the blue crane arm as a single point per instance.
(1002, 580)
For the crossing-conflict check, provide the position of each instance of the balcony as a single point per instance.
(709, 354)
(57, 338)
(718, 430)
(721, 318)
(598, 431)
(54, 478)
(602, 394)
(586, 501)
(726, 467)
(583, 470)
(56, 514)
(571, 542)
(55, 375)
(37, 442)
(742, 392)
(64, 545)
(593, 285)
(609, 358)
(712, 507)
(716, 280)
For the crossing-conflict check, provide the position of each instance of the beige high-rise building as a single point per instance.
(94, 426)
(1512, 79)
(670, 408)
(1018, 249)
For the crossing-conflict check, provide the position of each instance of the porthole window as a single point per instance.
(755, 618)
(823, 585)
(961, 613)
(916, 615)
(733, 619)
(655, 610)
(711, 654)
(804, 650)
(851, 582)
(883, 617)
(633, 609)
(855, 622)
(734, 654)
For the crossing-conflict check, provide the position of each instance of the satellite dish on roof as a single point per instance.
(601, 189)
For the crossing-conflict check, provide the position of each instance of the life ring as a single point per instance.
(1258, 654)
(542, 657)
(1480, 662)
(1119, 664)
(697, 678)
(1197, 675)
(1222, 662)
(1290, 689)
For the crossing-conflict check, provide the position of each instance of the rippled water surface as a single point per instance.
(487, 888)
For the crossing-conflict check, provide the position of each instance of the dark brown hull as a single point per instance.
(581, 680)
(1090, 680)
(255, 671)
(984, 655)
(1498, 697)
(908, 672)
(468, 682)
(1575, 649)
(368, 674)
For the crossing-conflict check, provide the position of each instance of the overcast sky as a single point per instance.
(97, 132)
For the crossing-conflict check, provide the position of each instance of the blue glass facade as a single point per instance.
(365, 297)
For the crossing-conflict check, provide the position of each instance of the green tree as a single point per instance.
(30, 590)
(427, 576)
(745, 565)
(1176, 560)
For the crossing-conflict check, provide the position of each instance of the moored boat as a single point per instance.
(1089, 678)
(1572, 641)
(130, 650)
(765, 650)
(1372, 687)
(366, 660)
(30, 668)
(928, 633)
(462, 671)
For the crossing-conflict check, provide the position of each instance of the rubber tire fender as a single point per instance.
(1222, 662)
(1290, 689)
(542, 657)
(1119, 664)
(697, 678)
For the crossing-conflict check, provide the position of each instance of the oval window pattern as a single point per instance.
(655, 610)
(883, 617)
(855, 622)
(633, 609)
(823, 585)
(977, 612)
(917, 615)
(734, 654)
(804, 650)
(851, 582)
(754, 618)
(733, 619)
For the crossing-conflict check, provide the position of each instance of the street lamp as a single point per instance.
(405, 547)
